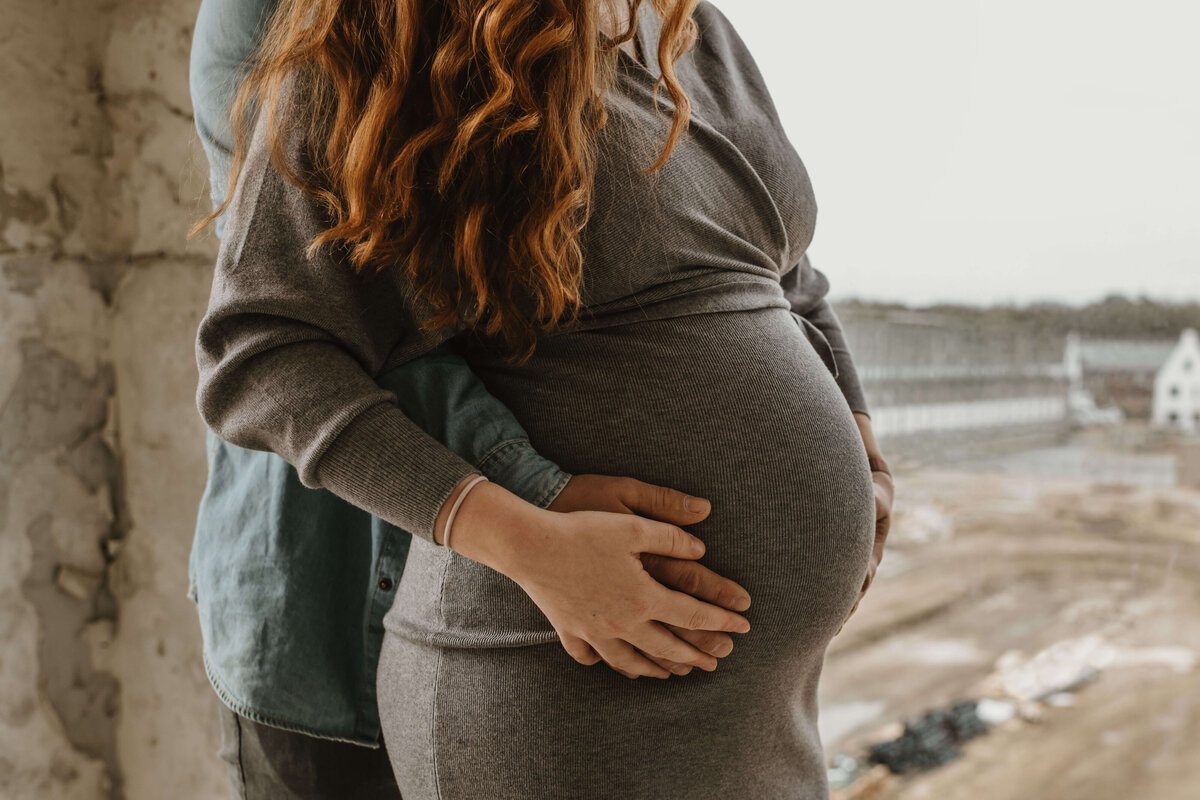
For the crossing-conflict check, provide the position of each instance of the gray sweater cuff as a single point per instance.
(372, 463)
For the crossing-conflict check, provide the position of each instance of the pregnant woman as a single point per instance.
(459, 150)
(291, 583)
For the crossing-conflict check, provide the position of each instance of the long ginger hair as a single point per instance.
(453, 139)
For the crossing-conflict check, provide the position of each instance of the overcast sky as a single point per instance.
(992, 151)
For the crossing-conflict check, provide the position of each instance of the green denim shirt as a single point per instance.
(291, 584)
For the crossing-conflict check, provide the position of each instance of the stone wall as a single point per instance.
(102, 692)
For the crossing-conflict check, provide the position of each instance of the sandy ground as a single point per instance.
(984, 563)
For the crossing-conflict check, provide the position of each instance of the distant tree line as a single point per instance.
(1115, 316)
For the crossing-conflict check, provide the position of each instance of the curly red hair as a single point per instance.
(455, 138)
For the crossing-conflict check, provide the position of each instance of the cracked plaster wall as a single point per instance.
(102, 692)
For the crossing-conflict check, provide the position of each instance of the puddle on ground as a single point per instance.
(836, 721)
(937, 651)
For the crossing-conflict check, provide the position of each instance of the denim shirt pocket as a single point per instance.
(817, 339)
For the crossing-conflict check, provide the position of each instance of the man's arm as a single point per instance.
(439, 390)
(441, 393)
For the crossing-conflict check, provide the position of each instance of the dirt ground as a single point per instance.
(984, 563)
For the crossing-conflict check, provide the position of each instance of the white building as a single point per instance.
(1176, 402)
(1081, 405)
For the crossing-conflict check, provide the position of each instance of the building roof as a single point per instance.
(1125, 355)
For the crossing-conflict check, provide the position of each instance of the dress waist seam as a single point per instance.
(739, 295)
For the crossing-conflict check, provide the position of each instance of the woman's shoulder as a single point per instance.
(277, 159)
(714, 25)
(724, 63)
(720, 42)
(708, 9)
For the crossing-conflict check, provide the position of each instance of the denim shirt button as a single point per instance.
(385, 584)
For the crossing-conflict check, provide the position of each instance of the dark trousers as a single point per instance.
(268, 763)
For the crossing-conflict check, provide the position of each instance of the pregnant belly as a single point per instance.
(736, 407)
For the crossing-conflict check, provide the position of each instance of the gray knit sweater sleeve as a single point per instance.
(289, 348)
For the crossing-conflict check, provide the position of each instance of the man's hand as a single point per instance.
(631, 496)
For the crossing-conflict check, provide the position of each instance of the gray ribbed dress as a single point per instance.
(691, 368)
(690, 371)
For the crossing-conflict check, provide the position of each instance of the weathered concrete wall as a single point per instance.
(102, 693)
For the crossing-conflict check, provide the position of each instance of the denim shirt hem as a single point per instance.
(237, 706)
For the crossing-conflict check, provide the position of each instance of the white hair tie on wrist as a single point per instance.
(454, 508)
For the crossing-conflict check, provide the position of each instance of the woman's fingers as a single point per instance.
(624, 672)
(677, 608)
(667, 664)
(623, 657)
(656, 641)
(710, 642)
(671, 666)
(587, 655)
(589, 581)
(714, 643)
(578, 649)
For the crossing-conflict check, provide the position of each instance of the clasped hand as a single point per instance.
(611, 569)
(658, 558)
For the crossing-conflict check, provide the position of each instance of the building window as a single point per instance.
(1172, 416)
(1175, 391)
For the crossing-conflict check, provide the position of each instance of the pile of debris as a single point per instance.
(1019, 689)
(930, 740)
(923, 743)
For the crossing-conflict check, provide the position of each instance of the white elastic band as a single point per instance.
(454, 508)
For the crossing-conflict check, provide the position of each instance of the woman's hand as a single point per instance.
(584, 570)
(631, 496)
(590, 581)
(884, 494)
